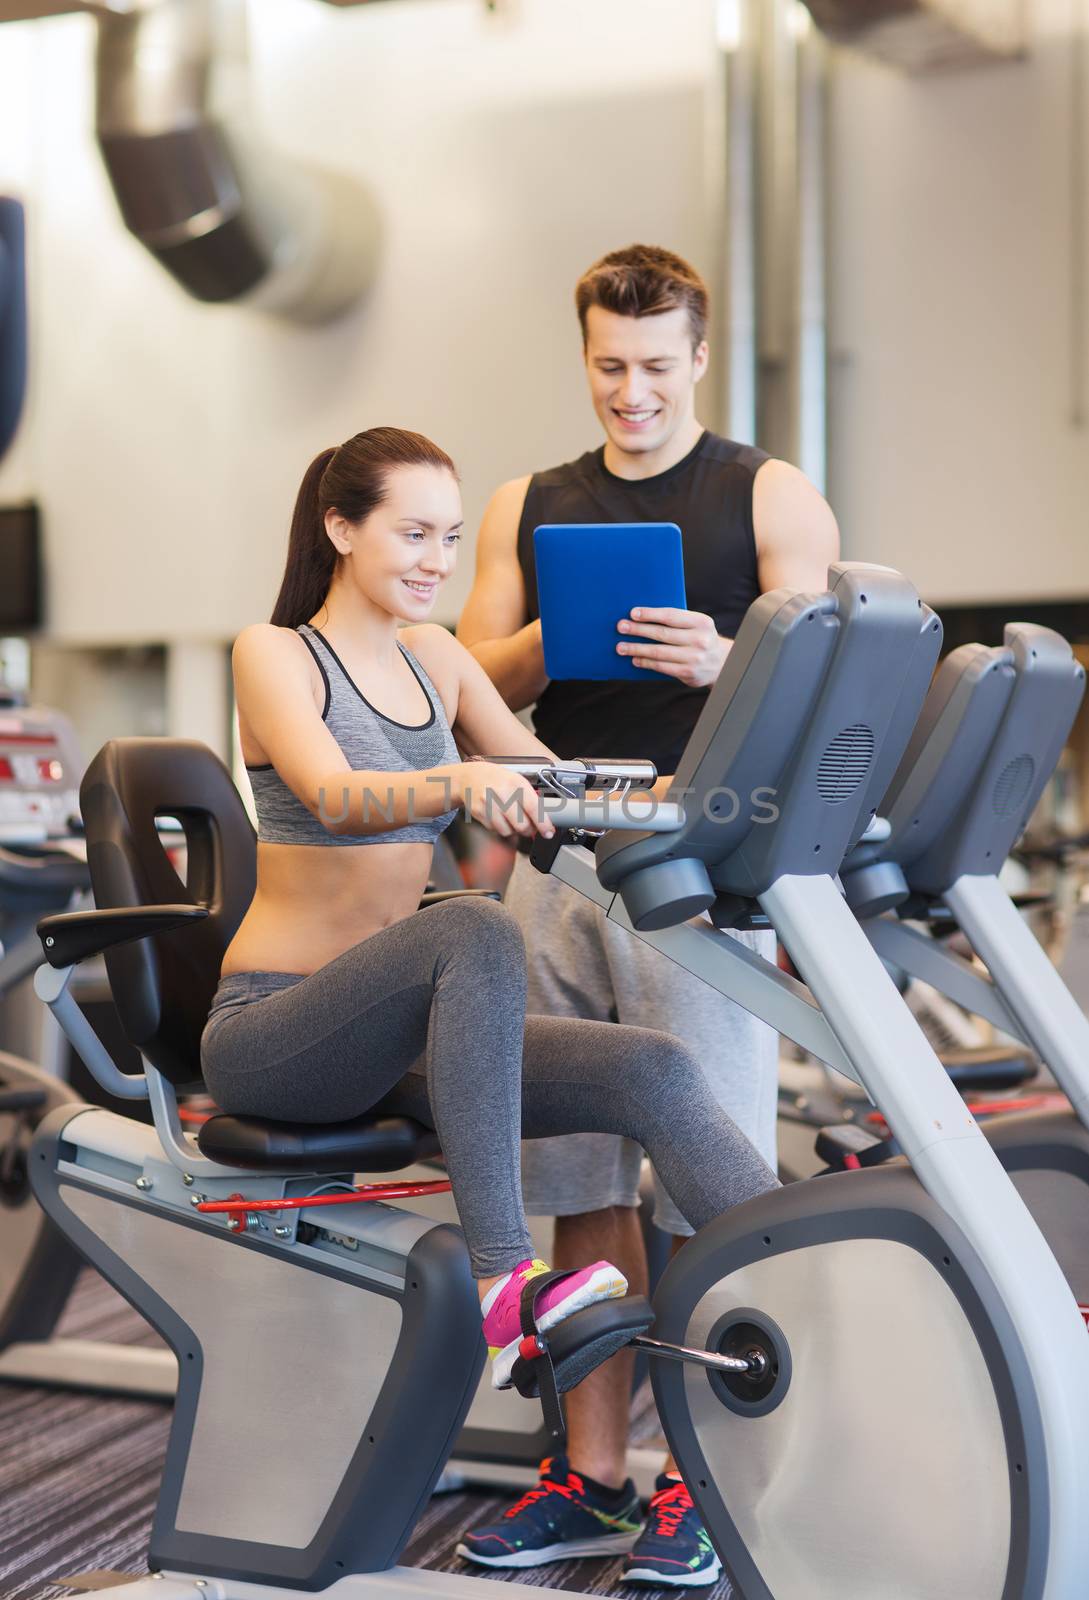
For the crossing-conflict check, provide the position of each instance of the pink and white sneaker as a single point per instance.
(501, 1307)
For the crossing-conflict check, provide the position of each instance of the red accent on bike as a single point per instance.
(530, 1348)
(852, 1164)
(238, 1203)
(1085, 1314)
(986, 1108)
(1028, 1102)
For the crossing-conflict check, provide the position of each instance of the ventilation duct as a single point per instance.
(924, 35)
(228, 216)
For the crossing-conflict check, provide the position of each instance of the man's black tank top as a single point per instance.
(709, 496)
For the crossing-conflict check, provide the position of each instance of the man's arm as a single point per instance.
(493, 622)
(797, 537)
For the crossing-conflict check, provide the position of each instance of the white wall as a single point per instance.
(954, 454)
(166, 438)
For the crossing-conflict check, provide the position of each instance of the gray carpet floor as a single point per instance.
(79, 1474)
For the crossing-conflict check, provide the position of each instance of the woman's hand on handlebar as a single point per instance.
(501, 800)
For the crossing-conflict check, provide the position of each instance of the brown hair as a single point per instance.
(642, 281)
(350, 478)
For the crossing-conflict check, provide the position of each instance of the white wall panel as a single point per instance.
(956, 455)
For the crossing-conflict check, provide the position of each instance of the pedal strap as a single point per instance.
(530, 1290)
(535, 1353)
(551, 1404)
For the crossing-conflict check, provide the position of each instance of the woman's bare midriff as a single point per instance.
(313, 902)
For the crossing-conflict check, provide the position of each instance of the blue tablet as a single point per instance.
(589, 575)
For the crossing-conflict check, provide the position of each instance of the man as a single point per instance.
(748, 524)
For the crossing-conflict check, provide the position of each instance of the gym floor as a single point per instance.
(79, 1475)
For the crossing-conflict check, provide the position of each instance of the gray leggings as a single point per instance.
(427, 1018)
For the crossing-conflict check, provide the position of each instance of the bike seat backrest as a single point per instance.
(163, 986)
(989, 738)
(795, 745)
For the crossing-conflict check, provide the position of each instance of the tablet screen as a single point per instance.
(589, 576)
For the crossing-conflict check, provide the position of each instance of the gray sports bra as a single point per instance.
(371, 742)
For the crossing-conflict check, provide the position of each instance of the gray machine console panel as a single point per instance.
(753, 717)
(956, 728)
(794, 748)
(987, 742)
(871, 694)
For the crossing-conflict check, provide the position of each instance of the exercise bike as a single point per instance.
(42, 869)
(990, 735)
(901, 1342)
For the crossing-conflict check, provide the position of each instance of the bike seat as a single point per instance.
(42, 874)
(370, 1143)
(993, 1067)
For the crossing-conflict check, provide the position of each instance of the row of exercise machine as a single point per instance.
(873, 1382)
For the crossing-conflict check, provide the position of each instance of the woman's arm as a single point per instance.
(484, 725)
(275, 699)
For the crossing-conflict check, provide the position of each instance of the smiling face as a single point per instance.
(401, 554)
(643, 373)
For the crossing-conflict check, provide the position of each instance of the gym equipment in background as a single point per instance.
(988, 740)
(42, 870)
(328, 1352)
(747, 1490)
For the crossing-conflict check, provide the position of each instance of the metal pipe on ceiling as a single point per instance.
(229, 216)
(774, 283)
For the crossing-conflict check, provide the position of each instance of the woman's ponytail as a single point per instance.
(311, 558)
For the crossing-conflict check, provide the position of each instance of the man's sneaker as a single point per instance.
(560, 1518)
(674, 1549)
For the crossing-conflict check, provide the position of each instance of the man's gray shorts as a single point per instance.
(581, 965)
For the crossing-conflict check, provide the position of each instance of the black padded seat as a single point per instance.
(366, 1144)
(990, 1067)
(42, 875)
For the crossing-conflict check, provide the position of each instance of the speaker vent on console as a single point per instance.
(1013, 785)
(845, 763)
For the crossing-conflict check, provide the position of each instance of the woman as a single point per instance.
(337, 993)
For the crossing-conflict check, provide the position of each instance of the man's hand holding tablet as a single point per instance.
(589, 574)
(686, 645)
